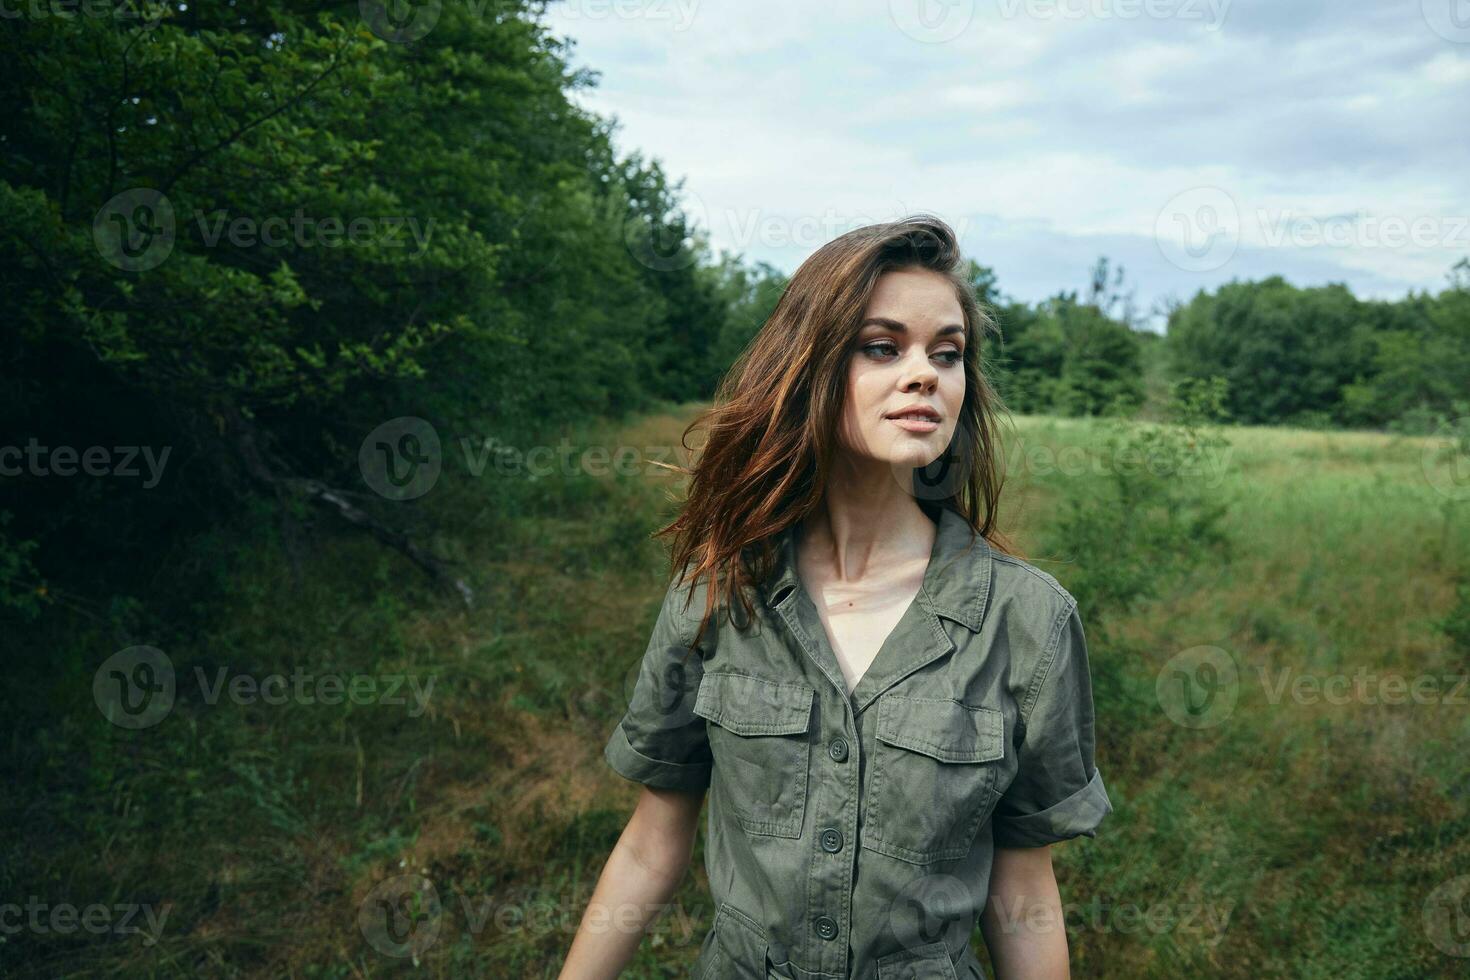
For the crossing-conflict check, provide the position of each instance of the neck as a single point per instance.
(862, 527)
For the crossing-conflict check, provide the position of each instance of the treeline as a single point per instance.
(236, 239)
(247, 234)
(1322, 357)
(1316, 357)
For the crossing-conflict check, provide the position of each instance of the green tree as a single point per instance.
(253, 232)
(1285, 352)
(749, 295)
(1419, 357)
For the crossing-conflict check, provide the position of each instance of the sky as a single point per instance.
(1192, 142)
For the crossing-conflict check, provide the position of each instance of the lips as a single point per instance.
(920, 421)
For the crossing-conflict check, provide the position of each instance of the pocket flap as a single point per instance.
(749, 705)
(928, 962)
(942, 728)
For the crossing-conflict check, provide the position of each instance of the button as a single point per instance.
(826, 927)
(837, 748)
(832, 840)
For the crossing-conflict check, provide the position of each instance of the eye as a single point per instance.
(886, 348)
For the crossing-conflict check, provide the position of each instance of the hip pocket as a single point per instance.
(933, 770)
(928, 962)
(735, 950)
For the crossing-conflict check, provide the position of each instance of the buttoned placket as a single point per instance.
(917, 640)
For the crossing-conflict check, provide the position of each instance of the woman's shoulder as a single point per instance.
(685, 604)
(1017, 582)
(1035, 613)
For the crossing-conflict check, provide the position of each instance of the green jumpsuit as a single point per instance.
(852, 836)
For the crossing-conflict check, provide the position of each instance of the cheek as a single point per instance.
(952, 395)
(866, 390)
(952, 390)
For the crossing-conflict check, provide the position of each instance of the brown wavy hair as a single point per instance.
(772, 429)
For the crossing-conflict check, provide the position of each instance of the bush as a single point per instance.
(1154, 513)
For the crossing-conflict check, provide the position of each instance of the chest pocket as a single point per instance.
(762, 753)
(933, 768)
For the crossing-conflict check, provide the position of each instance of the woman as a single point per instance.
(891, 712)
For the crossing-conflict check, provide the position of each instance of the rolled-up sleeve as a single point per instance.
(660, 741)
(1058, 792)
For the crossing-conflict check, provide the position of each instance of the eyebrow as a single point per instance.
(897, 327)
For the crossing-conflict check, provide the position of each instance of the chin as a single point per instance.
(913, 456)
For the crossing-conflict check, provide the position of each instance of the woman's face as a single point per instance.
(909, 354)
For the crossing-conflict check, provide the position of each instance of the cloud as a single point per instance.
(1053, 131)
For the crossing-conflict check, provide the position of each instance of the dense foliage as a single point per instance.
(246, 234)
(235, 240)
(1323, 357)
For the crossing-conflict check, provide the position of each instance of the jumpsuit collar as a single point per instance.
(956, 587)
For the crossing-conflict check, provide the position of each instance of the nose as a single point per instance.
(919, 369)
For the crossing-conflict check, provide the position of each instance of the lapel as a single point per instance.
(956, 587)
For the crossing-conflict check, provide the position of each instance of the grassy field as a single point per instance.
(1304, 818)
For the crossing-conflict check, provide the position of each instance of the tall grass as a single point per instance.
(1287, 838)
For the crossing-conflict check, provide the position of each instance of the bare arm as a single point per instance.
(641, 875)
(1022, 922)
